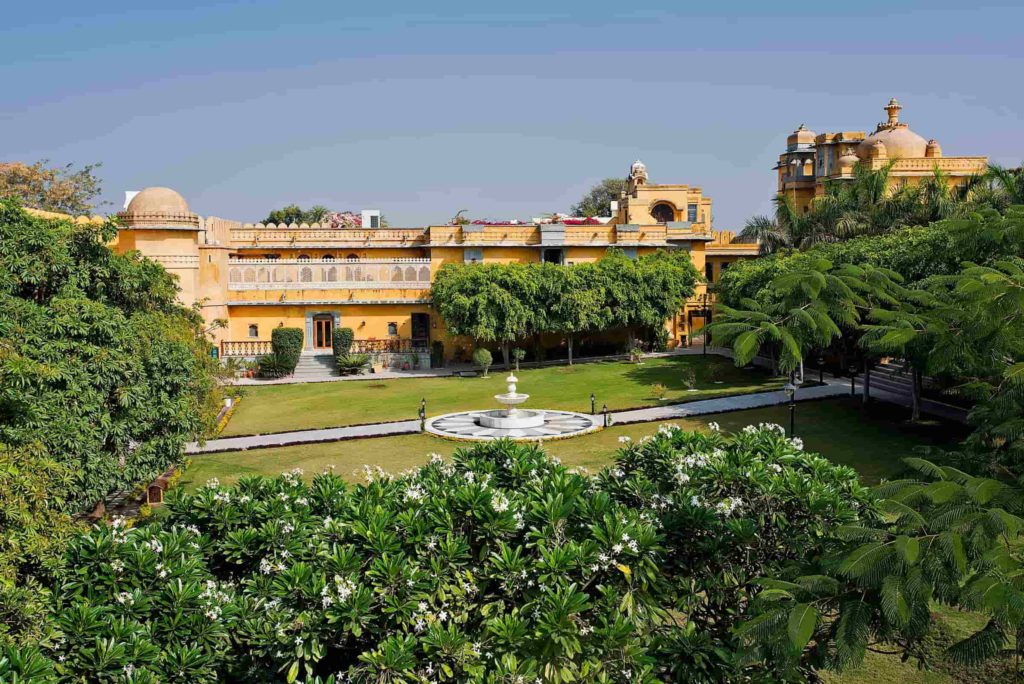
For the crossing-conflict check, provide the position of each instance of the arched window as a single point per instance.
(410, 274)
(424, 274)
(306, 275)
(663, 213)
(250, 275)
(303, 257)
(396, 274)
(328, 257)
(235, 276)
(332, 275)
(393, 329)
(352, 257)
(254, 330)
(263, 275)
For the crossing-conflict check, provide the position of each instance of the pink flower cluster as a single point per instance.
(345, 219)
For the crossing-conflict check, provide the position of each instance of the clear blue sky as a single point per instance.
(424, 108)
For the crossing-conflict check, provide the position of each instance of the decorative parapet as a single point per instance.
(316, 235)
(725, 243)
(158, 221)
(947, 164)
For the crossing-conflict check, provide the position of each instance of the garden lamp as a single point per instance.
(790, 391)
(593, 399)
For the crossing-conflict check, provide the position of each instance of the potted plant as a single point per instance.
(415, 360)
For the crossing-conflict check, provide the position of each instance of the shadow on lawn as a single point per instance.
(705, 373)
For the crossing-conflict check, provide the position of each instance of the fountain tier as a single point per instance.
(511, 422)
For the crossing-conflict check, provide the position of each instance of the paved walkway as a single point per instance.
(832, 388)
(453, 369)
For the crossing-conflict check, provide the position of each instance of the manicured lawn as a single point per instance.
(872, 442)
(621, 385)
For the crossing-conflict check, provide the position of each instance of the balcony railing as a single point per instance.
(323, 274)
(245, 348)
(391, 346)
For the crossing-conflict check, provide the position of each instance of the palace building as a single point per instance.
(376, 280)
(811, 159)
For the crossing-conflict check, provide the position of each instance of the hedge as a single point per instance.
(287, 346)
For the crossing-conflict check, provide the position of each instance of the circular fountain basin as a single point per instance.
(470, 425)
(510, 419)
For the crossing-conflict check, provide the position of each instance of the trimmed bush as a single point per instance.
(341, 341)
(287, 346)
(483, 359)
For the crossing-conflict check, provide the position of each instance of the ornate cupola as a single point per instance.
(638, 173)
(898, 140)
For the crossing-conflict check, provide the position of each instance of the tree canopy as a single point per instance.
(502, 303)
(598, 200)
(98, 362)
(52, 188)
(293, 213)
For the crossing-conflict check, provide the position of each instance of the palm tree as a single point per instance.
(1007, 182)
(777, 232)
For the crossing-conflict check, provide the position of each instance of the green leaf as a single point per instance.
(909, 548)
(293, 671)
(800, 626)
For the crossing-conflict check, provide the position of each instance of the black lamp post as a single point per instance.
(790, 390)
(604, 410)
(593, 399)
(853, 378)
(423, 415)
(821, 370)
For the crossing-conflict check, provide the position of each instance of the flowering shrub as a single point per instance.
(499, 566)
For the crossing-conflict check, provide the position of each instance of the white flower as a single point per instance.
(212, 483)
(714, 427)
(797, 443)
(414, 493)
(624, 439)
(775, 467)
(499, 503)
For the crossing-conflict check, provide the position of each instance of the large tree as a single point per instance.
(487, 302)
(598, 200)
(98, 363)
(574, 297)
(53, 188)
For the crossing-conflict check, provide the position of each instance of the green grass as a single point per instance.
(872, 442)
(280, 408)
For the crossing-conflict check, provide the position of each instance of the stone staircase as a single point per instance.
(892, 377)
(315, 367)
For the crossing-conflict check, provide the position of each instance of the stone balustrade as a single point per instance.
(312, 274)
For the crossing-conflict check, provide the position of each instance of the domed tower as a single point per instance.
(159, 223)
(898, 140)
(637, 175)
(800, 139)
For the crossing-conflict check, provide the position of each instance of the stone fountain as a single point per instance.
(510, 416)
(511, 422)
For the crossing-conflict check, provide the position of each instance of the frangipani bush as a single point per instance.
(501, 565)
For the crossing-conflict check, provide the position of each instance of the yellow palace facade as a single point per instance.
(812, 160)
(254, 278)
